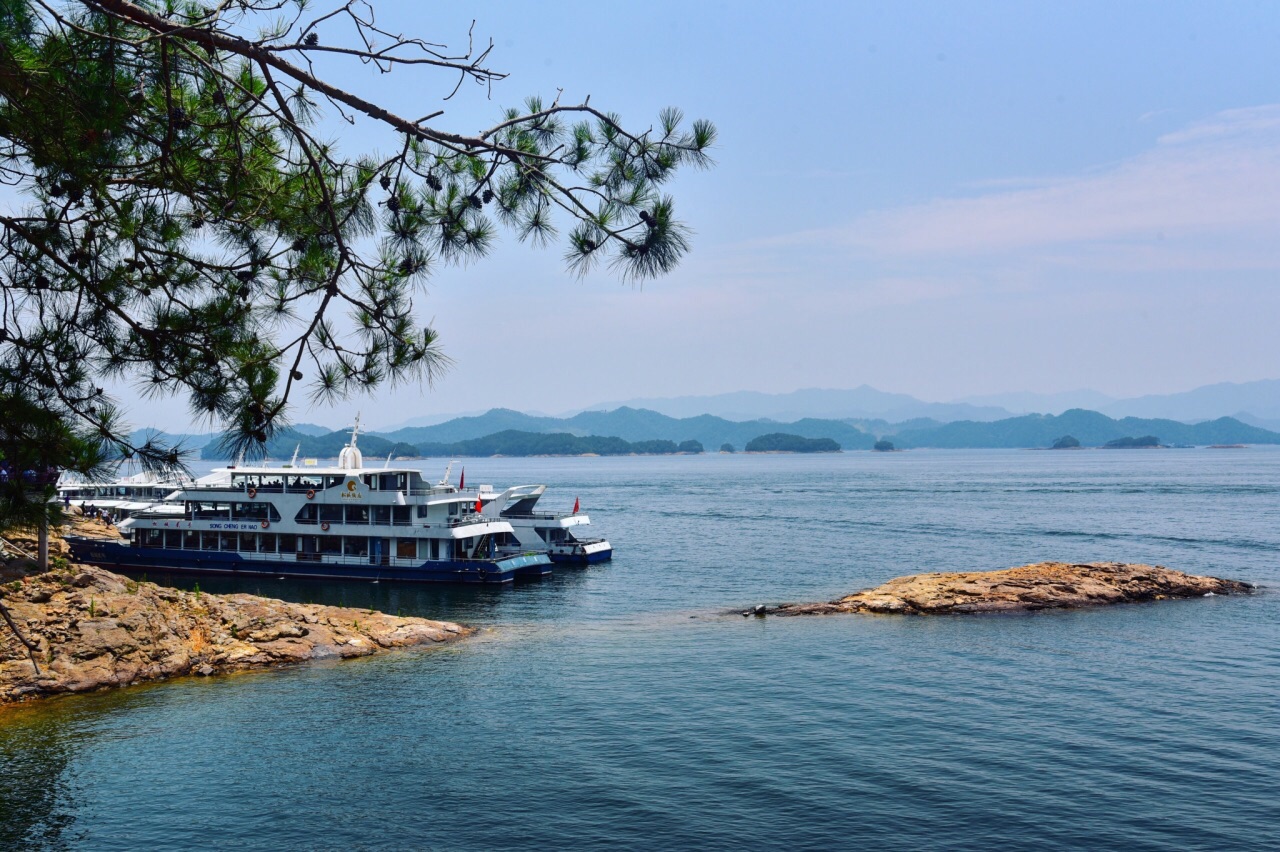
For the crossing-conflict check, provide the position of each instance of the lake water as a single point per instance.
(617, 706)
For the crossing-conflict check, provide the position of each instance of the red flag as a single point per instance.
(479, 505)
(575, 505)
(462, 480)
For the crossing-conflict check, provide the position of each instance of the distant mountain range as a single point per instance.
(1257, 403)
(863, 402)
(513, 433)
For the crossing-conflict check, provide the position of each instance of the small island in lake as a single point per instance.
(1066, 442)
(883, 446)
(1146, 442)
(778, 442)
(1045, 585)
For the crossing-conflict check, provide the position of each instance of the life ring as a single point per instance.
(253, 492)
(311, 495)
(265, 525)
(325, 526)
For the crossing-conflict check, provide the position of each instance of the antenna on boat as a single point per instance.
(355, 429)
(448, 472)
(387, 464)
(350, 457)
(293, 462)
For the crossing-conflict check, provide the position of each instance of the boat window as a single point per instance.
(424, 511)
(288, 543)
(357, 515)
(226, 541)
(151, 538)
(406, 548)
(371, 480)
(266, 542)
(453, 508)
(190, 539)
(249, 542)
(208, 541)
(330, 514)
(401, 516)
(331, 481)
(305, 483)
(172, 539)
(329, 543)
(355, 545)
(382, 514)
(307, 514)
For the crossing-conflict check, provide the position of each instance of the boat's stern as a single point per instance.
(581, 552)
(525, 565)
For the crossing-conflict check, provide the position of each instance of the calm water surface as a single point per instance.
(617, 706)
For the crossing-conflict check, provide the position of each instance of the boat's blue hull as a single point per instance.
(126, 557)
(582, 559)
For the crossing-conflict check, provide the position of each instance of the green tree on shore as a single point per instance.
(183, 224)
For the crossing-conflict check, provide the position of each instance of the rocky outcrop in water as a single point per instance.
(1045, 585)
(92, 629)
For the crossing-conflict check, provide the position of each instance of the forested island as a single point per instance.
(507, 443)
(779, 442)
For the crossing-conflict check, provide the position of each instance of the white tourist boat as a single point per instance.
(560, 536)
(342, 522)
(122, 496)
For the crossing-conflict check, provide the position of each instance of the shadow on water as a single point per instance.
(466, 603)
(35, 792)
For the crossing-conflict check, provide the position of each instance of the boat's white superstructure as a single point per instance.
(342, 521)
(122, 496)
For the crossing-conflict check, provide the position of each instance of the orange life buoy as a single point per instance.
(325, 526)
(265, 525)
(311, 495)
(253, 492)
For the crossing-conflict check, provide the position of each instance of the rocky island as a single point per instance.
(87, 628)
(1045, 585)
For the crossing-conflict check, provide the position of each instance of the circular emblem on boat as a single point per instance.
(311, 495)
(253, 492)
(351, 485)
(265, 525)
(325, 526)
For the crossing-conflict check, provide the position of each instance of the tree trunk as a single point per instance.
(42, 555)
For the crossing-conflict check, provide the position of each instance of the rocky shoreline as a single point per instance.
(1044, 585)
(91, 629)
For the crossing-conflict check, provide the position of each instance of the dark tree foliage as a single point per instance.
(780, 442)
(1128, 442)
(180, 222)
(1066, 442)
(883, 446)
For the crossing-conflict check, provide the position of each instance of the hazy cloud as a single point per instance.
(1207, 195)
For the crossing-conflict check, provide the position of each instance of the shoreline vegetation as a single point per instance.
(89, 629)
(626, 431)
(1044, 585)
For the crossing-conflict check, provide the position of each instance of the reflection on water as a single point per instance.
(36, 806)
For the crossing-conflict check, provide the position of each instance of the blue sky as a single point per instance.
(942, 199)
